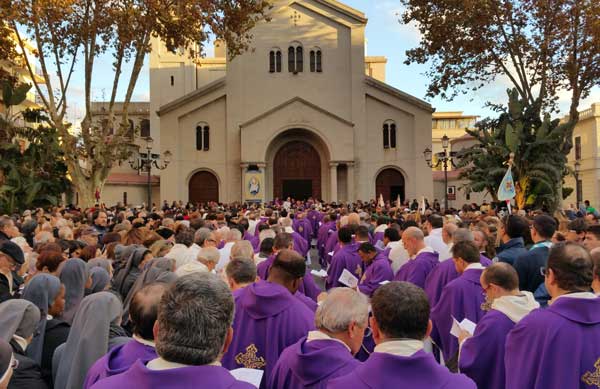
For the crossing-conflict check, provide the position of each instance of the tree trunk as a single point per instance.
(522, 190)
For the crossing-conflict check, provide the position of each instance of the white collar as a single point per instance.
(381, 228)
(162, 364)
(49, 317)
(476, 266)
(578, 295)
(393, 244)
(425, 249)
(318, 335)
(401, 348)
(516, 307)
(289, 230)
(436, 231)
(21, 341)
(143, 341)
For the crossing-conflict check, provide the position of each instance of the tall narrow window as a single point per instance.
(577, 148)
(278, 61)
(292, 59)
(131, 129)
(319, 67)
(145, 128)
(172, 80)
(299, 59)
(271, 61)
(393, 135)
(313, 61)
(206, 138)
(386, 136)
(198, 138)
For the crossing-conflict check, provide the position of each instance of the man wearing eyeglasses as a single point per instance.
(557, 347)
(11, 259)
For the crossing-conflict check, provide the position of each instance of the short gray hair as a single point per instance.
(342, 307)
(43, 237)
(242, 249)
(201, 235)
(233, 235)
(462, 235)
(264, 234)
(194, 315)
(209, 254)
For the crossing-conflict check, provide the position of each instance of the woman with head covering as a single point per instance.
(48, 294)
(75, 276)
(127, 276)
(156, 270)
(18, 322)
(100, 281)
(7, 363)
(101, 262)
(88, 340)
(122, 254)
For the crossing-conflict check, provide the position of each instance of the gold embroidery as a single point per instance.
(249, 359)
(592, 378)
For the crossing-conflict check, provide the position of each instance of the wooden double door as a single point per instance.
(297, 171)
(203, 187)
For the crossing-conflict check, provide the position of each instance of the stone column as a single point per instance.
(333, 177)
(350, 181)
(244, 167)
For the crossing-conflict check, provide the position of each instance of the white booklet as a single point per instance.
(251, 376)
(320, 273)
(348, 279)
(465, 325)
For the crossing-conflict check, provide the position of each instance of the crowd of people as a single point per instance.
(295, 294)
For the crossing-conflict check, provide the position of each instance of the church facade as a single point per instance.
(304, 113)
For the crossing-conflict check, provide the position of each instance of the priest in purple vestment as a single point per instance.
(192, 331)
(481, 354)
(400, 323)
(378, 269)
(461, 298)
(422, 258)
(284, 241)
(300, 244)
(346, 258)
(326, 353)
(143, 310)
(240, 273)
(445, 272)
(559, 346)
(269, 318)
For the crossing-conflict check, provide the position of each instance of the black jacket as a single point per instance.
(27, 375)
(57, 332)
(4, 289)
(528, 267)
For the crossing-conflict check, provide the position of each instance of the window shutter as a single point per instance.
(299, 59)
(312, 61)
(393, 135)
(206, 138)
(291, 60)
(386, 136)
(319, 68)
(271, 61)
(198, 138)
(278, 61)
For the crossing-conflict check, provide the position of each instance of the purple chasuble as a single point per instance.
(441, 275)
(315, 217)
(254, 240)
(189, 377)
(262, 220)
(379, 270)
(308, 287)
(118, 360)
(311, 364)
(347, 258)
(416, 270)
(461, 298)
(556, 347)
(482, 355)
(300, 244)
(331, 245)
(322, 237)
(378, 237)
(268, 318)
(418, 371)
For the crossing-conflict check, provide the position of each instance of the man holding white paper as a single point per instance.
(346, 258)
(482, 353)
(461, 298)
(378, 269)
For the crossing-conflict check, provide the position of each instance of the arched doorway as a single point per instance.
(390, 184)
(297, 171)
(203, 187)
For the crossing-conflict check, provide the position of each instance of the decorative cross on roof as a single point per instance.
(295, 17)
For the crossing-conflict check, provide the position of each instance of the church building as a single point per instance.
(303, 113)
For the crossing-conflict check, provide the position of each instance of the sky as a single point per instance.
(385, 35)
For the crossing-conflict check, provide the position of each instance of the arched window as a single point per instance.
(386, 136)
(275, 61)
(315, 60)
(145, 128)
(295, 58)
(299, 59)
(292, 59)
(389, 134)
(202, 137)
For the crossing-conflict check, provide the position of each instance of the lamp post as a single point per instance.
(444, 158)
(145, 161)
(577, 191)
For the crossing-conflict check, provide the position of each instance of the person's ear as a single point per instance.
(375, 330)
(155, 330)
(228, 339)
(257, 279)
(550, 276)
(429, 328)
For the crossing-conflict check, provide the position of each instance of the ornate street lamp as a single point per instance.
(444, 158)
(145, 161)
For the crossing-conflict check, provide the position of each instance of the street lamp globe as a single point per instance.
(445, 141)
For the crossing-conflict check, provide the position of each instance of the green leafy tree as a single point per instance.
(538, 167)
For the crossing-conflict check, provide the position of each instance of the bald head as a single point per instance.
(242, 249)
(448, 232)
(144, 309)
(209, 256)
(283, 240)
(413, 233)
(287, 269)
(570, 269)
(353, 218)
(413, 240)
(502, 275)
